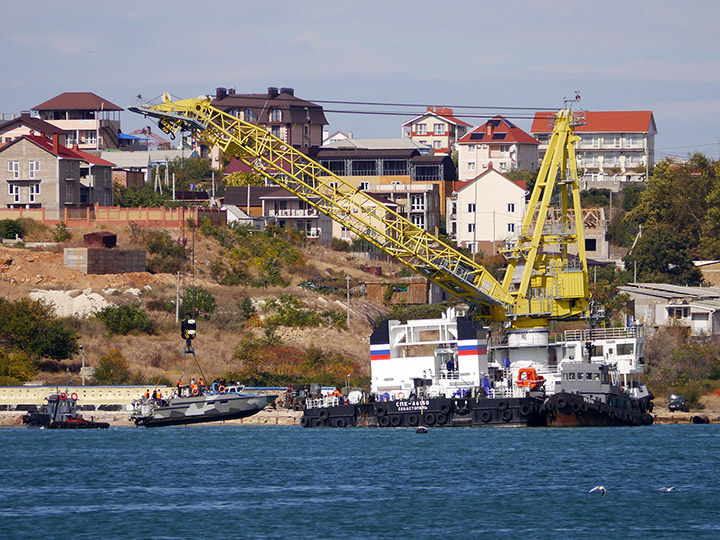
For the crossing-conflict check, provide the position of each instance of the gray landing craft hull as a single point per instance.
(205, 408)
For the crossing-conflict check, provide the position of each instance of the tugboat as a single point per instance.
(60, 412)
(474, 378)
(197, 403)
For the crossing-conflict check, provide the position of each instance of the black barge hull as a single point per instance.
(560, 410)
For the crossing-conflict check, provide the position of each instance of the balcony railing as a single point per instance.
(294, 212)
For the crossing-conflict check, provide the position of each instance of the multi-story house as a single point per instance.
(403, 172)
(286, 209)
(437, 128)
(485, 212)
(614, 146)
(89, 121)
(28, 125)
(498, 144)
(297, 122)
(41, 173)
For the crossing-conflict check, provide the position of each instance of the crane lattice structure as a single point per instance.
(551, 285)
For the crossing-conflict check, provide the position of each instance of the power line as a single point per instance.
(381, 104)
(400, 113)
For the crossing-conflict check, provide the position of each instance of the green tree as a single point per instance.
(32, 327)
(15, 368)
(144, 196)
(166, 254)
(112, 369)
(244, 179)
(126, 319)
(10, 228)
(197, 302)
(663, 255)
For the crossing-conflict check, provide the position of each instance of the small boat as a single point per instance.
(60, 412)
(197, 403)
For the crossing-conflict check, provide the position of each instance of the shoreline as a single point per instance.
(288, 417)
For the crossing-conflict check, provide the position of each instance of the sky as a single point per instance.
(659, 55)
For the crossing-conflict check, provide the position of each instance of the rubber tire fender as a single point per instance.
(525, 410)
(381, 411)
(413, 420)
(502, 405)
(340, 422)
(429, 418)
(384, 421)
(561, 403)
(304, 421)
(323, 414)
(441, 419)
(507, 415)
(486, 416)
(444, 409)
(395, 420)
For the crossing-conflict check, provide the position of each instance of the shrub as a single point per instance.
(166, 255)
(32, 327)
(61, 233)
(15, 368)
(11, 228)
(197, 302)
(112, 368)
(126, 319)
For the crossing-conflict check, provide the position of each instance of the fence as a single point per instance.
(115, 215)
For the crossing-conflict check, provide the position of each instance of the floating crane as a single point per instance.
(543, 281)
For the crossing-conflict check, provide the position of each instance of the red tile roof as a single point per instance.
(77, 101)
(497, 130)
(460, 184)
(34, 124)
(603, 121)
(64, 152)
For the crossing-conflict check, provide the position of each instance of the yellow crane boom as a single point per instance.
(519, 303)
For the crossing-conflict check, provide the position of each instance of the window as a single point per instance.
(14, 191)
(439, 129)
(14, 168)
(34, 168)
(437, 145)
(417, 203)
(420, 129)
(70, 139)
(471, 207)
(34, 191)
(511, 227)
(333, 185)
(590, 244)
(472, 148)
(68, 194)
(471, 165)
(364, 186)
(275, 115)
(511, 207)
(418, 220)
(90, 136)
(249, 116)
(471, 227)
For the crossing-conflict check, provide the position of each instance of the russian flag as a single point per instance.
(380, 352)
(471, 347)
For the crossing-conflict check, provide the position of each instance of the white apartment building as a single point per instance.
(485, 212)
(614, 146)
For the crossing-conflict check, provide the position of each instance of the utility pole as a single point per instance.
(347, 278)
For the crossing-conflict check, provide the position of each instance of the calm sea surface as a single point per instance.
(229, 482)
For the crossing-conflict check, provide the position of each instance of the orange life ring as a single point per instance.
(63, 396)
(74, 396)
(401, 395)
(195, 392)
(221, 389)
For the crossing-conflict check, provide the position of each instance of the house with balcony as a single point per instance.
(89, 121)
(28, 125)
(615, 146)
(391, 167)
(437, 128)
(285, 209)
(486, 212)
(296, 121)
(41, 173)
(497, 144)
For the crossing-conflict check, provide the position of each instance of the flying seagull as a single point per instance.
(668, 489)
(598, 488)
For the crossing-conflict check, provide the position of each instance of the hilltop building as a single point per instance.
(614, 147)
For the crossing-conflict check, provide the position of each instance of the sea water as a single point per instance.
(285, 482)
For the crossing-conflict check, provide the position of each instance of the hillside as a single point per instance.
(24, 270)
